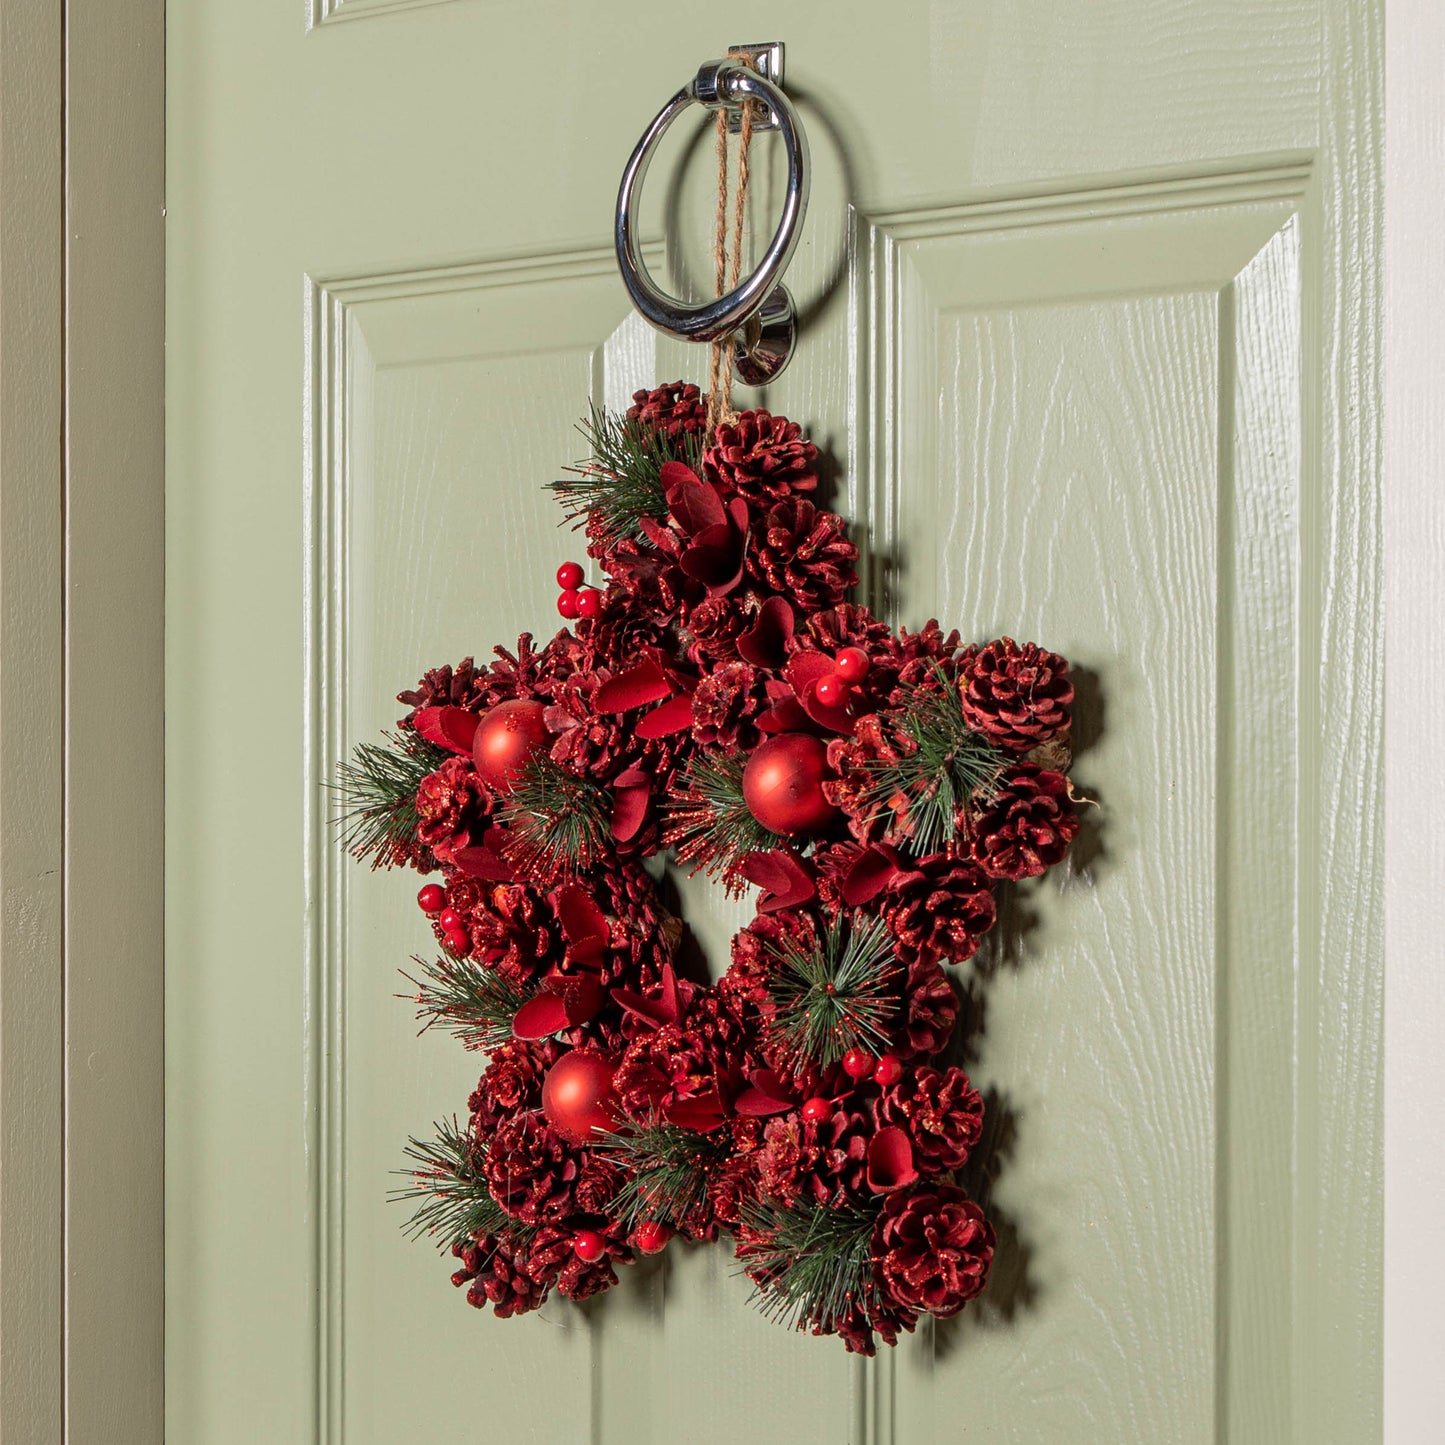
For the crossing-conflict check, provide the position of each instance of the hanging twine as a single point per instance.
(727, 268)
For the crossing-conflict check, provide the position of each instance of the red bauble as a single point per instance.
(589, 603)
(816, 1109)
(577, 1096)
(569, 576)
(432, 898)
(852, 664)
(568, 604)
(651, 1237)
(450, 920)
(783, 784)
(833, 690)
(507, 736)
(858, 1063)
(589, 1246)
(887, 1071)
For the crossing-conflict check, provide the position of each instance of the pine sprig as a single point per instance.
(667, 1168)
(946, 765)
(709, 822)
(835, 995)
(621, 481)
(811, 1265)
(378, 818)
(448, 1179)
(469, 999)
(560, 824)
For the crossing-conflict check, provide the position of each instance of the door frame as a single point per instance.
(82, 270)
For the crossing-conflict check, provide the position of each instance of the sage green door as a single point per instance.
(1088, 291)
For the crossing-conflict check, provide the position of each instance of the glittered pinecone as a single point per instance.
(724, 705)
(674, 410)
(933, 1249)
(1026, 827)
(512, 1082)
(763, 458)
(514, 929)
(446, 686)
(449, 803)
(804, 554)
(497, 1271)
(1017, 697)
(942, 1112)
(939, 909)
(531, 1172)
(930, 1009)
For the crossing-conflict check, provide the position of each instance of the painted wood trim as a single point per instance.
(114, 756)
(1414, 464)
(31, 723)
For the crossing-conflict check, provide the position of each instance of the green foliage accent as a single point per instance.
(378, 818)
(449, 1181)
(667, 1169)
(622, 480)
(709, 823)
(560, 824)
(943, 765)
(469, 999)
(811, 1265)
(835, 996)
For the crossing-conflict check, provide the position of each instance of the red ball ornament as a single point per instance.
(589, 603)
(858, 1063)
(851, 664)
(588, 1246)
(651, 1236)
(887, 1071)
(507, 736)
(432, 898)
(569, 576)
(577, 1096)
(833, 690)
(450, 921)
(817, 1109)
(568, 604)
(783, 784)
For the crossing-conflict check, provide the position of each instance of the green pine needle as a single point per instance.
(710, 824)
(622, 480)
(378, 818)
(932, 782)
(560, 824)
(837, 995)
(471, 1000)
(667, 1168)
(449, 1180)
(811, 1265)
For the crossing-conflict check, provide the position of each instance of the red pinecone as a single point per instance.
(499, 1276)
(675, 409)
(942, 1112)
(1026, 827)
(516, 931)
(1017, 697)
(447, 686)
(512, 1082)
(933, 1249)
(763, 458)
(804, 554)
(531, 1172)
(449, 802)
(930, 1009)
(724, 705)
(939, 909)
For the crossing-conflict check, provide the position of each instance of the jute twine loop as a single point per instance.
(728, 268)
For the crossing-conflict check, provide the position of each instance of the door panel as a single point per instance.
(1073, 280)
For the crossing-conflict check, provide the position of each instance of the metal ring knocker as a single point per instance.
(759, 314)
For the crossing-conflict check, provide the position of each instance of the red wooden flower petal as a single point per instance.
(448, 727)
(667, 1008)
(767, 1096)
(485, 862)
(715, 558)
(786, 717)
(805, 671)
(785, 882)
(672, 717)
(633, 688)
(629, 811)
(702, 1113)
(583, 923)
(694, 502)
(765, 643)
(874, 869)
(890, 1161)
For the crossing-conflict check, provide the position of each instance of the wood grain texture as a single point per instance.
(1414, 461)
(31, 787)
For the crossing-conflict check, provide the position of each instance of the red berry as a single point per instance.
(832, 690)
(451, 921)
(588, 1246)
(888, 1071)
(459, 943)
(816, 1109)
(569, 604)
(569, 576)
(651, 1236)
(858, 1063)
(852, 665)
(589, 603)
(432, 898)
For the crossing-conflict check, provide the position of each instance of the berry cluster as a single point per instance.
(718, 698)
